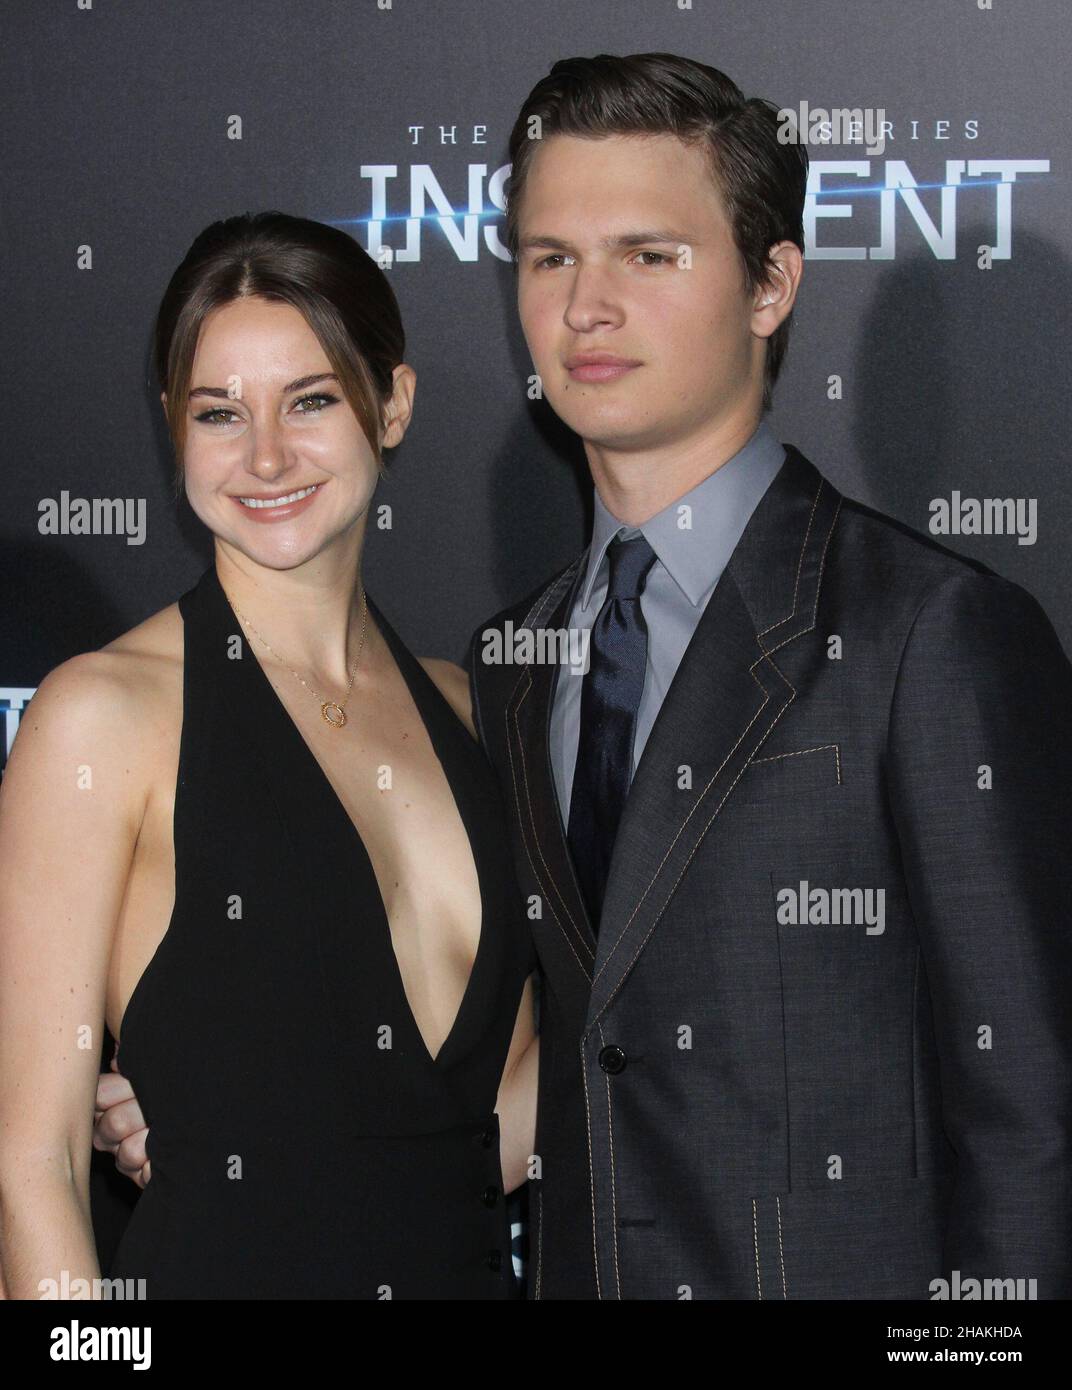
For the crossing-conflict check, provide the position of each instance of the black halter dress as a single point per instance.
(304, 1141)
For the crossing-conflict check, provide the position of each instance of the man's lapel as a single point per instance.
(726, 697)
(563, 928)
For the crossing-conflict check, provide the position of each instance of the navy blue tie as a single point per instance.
(610, 698)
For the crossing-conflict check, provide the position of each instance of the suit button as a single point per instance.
(491, 1196)
(612, 1059)
(485, 1138)
(495, 1260)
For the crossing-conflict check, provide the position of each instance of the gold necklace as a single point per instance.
(332, 712)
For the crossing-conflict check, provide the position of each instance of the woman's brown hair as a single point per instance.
(339, 289)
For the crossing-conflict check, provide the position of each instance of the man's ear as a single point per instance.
(774, 300)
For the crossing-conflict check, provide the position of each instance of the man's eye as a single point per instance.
(325, 398)
(659, 258)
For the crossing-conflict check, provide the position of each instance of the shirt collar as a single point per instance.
(720, 507)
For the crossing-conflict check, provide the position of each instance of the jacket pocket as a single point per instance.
(878, 1240)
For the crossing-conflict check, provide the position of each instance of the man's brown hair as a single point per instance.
(762, 180)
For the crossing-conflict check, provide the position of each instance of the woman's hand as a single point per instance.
(119, 1127)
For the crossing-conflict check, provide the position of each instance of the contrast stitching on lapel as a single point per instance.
(537, 610)
(613, 1185)
(800, 752)
(699, 838)
(800, 564)
(781, 1252)
(591, 1172)
(818, 585)
(536, 873)
(566, 577)
(822, 562)
(695, 806)
(755, 1243)
(764, 655)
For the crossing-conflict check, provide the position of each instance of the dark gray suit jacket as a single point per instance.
(734, 1104)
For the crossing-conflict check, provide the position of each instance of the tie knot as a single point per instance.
(629, 562)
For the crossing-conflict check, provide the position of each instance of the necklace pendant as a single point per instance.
(333, 714)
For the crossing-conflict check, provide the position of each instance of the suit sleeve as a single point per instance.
(984, 684)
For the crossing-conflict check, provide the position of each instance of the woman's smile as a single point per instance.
(280, 506)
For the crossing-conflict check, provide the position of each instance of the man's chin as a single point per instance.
(613, 428)
(623, 435)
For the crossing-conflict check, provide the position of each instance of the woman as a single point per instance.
(257, 838)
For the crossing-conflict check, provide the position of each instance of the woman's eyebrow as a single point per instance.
(221, 392)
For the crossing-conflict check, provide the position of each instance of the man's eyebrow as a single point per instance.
(620, 242)
(221, 392)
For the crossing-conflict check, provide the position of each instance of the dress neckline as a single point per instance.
(432, 707)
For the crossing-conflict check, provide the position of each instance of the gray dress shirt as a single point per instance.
(693, 539)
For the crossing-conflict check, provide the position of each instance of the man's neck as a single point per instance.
(635, 486)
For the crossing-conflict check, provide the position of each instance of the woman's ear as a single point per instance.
(400, 406)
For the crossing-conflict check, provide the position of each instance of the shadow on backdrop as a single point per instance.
(930, 420)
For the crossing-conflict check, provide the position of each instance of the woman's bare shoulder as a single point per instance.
(453, 683)
(121, 696)
(139, 665)
(158, 637)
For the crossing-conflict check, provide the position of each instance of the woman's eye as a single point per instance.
(324, 398)
(315, 403)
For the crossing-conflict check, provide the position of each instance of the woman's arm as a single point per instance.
(453, 685)
(516, 1103)
(71, 806)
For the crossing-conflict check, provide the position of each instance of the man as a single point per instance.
(793, 845)
(742, 1096)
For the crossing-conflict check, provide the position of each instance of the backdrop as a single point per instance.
(928, 370)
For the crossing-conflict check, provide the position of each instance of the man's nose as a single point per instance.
(593, 300)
